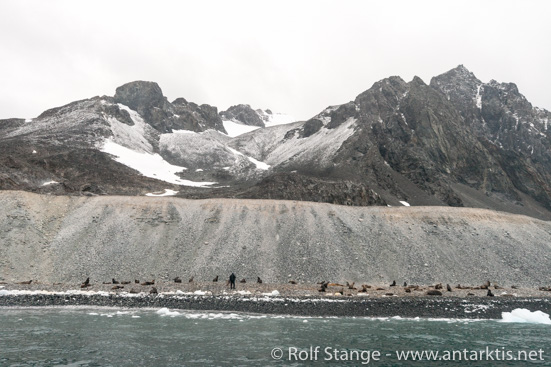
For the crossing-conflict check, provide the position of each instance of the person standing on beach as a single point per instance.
(232, 281)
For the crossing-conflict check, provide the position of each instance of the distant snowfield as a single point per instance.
(235, 129)
(278, 119)
(149, 165)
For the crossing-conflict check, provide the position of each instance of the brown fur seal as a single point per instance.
(86, 283)
(258, 280)
(433, 292)
(114, 281)
(177, 280)
(190, 280)
(393, 283)
(126, 282)
(26, 282)
(448, 288)
(489, 294)
(115, 287)
(215, 279)
(243, 281)
(149, 283)
(153, 290)
(292, 282)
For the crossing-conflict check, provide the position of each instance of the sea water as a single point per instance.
(73, 336)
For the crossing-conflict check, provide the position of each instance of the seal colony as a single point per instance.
(294, 299)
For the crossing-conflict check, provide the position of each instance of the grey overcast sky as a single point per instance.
(296, 57)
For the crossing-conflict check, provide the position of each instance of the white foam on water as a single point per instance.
(273, 293)
(523, 315)
(166, 312)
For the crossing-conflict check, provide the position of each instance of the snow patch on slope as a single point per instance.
(149, 165)
(235, 128)
(132, 137)
(257, 163)
(320, 147)
(167, 192)
(479, 97)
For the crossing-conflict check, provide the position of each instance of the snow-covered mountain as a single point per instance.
(457, 141)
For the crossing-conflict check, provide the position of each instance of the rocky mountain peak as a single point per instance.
(244, 114)
(140, 95)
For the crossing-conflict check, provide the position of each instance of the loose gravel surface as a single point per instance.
(299, 299)
(50, 239)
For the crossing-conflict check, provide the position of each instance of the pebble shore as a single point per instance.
(286, 300)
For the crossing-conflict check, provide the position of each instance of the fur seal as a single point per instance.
(408, 290)
(126, 282)
(448, 288)
(405, 284)
(433, 292)
(136, 281)
(351, 286)
(393, 284)
(133, 291)
(86, 283)
(438, 286)
(106, 283)
(215, 279)
(258, 280)
(153, 290)
(489, 294)
(26, 282)
(177, 280)
(380, 289)
(292, 282)
(115, 287)
(243, 281)
(149, 283)
(486, 285)
(190, 280)
(115, 281)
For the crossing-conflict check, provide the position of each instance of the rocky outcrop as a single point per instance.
(293, 186)
(147, 99)
(244, 114)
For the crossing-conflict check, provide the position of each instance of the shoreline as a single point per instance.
(410, 307)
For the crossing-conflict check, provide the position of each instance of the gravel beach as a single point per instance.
(286, 299)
